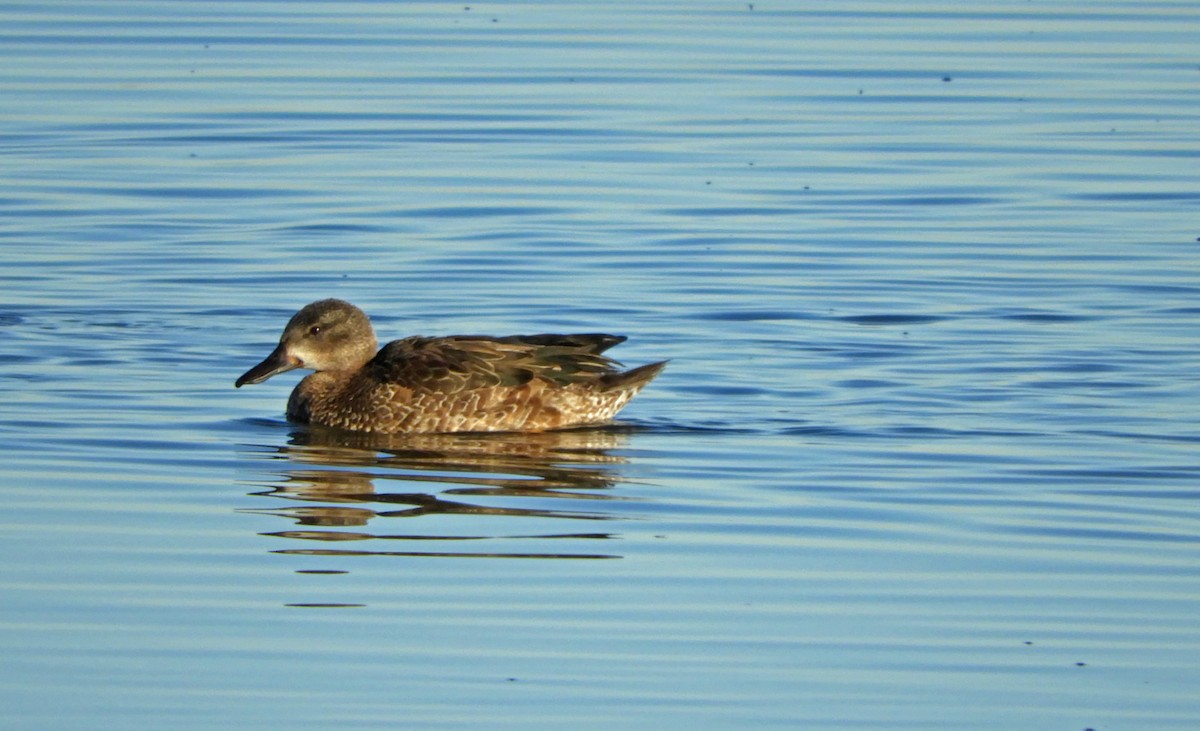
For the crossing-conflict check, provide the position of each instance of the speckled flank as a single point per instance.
(358, 404)
(450, 384)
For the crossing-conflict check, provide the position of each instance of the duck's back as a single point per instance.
(476, 383)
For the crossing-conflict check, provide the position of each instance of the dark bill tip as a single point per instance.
(275, 363)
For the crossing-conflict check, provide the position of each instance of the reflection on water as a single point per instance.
(931, 439)
(336, 480)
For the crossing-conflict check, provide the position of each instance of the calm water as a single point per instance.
(927, 455)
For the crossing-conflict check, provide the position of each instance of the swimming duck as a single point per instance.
(461, 383)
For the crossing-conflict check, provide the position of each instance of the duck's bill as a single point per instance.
(275, 363)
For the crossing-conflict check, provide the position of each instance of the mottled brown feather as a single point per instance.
(446, 384)
(461, 362)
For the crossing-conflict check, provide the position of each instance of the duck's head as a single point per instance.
(329, 335)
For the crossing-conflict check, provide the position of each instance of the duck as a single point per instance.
(457, 383)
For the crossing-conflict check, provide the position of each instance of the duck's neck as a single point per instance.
(313, 390)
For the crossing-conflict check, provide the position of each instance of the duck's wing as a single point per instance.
(593, 343)
(464, 362)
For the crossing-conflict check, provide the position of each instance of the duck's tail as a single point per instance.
(632, 380)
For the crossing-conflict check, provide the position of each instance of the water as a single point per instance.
(925, 457)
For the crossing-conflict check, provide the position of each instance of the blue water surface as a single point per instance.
(925, 457)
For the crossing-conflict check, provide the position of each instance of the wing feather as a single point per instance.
(466, 363)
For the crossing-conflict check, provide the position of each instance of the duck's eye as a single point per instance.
(314, 330)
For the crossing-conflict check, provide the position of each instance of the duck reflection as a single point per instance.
(465, 487)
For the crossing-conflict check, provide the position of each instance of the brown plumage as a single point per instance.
(449, 384)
